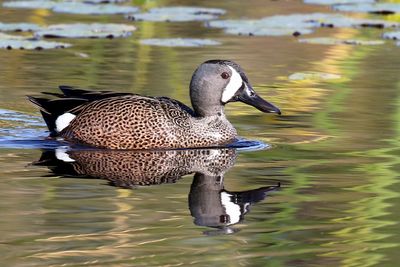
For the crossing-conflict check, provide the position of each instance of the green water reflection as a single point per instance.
(334, 150)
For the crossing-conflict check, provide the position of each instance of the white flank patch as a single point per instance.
(234, 84)
(63, 121)
(61, 154)
(232, 209)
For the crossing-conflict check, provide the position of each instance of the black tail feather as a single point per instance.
(53, 94)
(69, 91)
(50, 122)
(57, 106)
(38, 101)
(69, 101)
(51, 109)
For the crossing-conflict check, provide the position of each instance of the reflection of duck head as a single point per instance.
(211, 205)
(124, 168)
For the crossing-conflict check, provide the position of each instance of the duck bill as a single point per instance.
(250, 97)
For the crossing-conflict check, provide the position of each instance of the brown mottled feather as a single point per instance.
(138, 122)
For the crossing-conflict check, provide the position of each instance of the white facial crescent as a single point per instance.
(232, 209)
(234, 84)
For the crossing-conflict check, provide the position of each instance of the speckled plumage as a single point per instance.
(129, 168)
(137, 122)
(112, 120)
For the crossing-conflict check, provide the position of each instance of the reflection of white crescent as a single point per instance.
(232, 209)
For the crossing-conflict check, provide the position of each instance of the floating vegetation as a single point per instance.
(179, 42)
(377, 8)
(261, 27)
(392, 35)
(334, 2)
(91, 9)
(104, 1)
(313, 75)
(81, 30)
(334, 41)
(295, 24)
(19, 27)
(73, 7)
(33, 4)
(179, 14)
(19, 42)
(189, 10)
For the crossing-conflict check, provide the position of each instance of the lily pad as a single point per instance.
(19, 27)
(179, 14)
(19, 42)
(392, 35)
(4, 36)
(269, 26)
(259, 27)
(91, 9)
(73, 7)
(189, 10)
(179, 42)
(341, 21)
(33, 4)
(313, 75)
(334, 41)
(295, 24)
(104, 1)
(81, 30)
(377, 8)
(334, 2)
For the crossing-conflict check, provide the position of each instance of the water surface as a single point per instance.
(334, 151)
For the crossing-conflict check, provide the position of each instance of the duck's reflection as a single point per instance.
(209, 203)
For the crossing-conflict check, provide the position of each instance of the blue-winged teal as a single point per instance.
(129, 121)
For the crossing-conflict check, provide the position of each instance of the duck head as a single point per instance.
(218, 82)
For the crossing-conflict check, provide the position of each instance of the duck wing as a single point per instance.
(173, 103)
(75, 107)
(71, 100)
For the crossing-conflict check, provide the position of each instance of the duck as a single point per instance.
(210, 203)
(116, 120)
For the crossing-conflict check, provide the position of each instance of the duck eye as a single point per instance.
(225, 75)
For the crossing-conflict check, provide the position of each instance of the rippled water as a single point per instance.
(334, 152)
